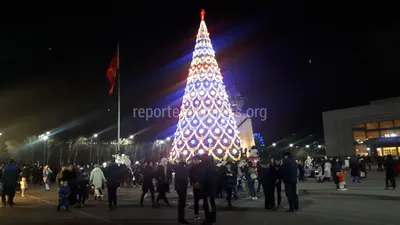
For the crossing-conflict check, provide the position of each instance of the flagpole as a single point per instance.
(119, 105)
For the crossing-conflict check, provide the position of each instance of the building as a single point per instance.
(372, 129)
(245, 127)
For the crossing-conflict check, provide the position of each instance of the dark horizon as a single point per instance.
(54, 70)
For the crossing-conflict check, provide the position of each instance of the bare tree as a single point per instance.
(79, 144)
(70, 150)
(13, 148)
(32, 144)
(51, 144)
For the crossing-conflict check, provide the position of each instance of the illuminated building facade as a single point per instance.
(372, 129)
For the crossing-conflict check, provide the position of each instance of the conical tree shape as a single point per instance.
(206, 121)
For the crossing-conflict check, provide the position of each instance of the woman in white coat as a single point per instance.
(97, 179)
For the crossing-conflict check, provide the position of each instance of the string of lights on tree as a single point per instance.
(206, 121)
(259, 140)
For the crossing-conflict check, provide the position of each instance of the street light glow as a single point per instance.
(45, 137)
(307, 146)
(95, 135)
(291, 145)
(319, 146)
(168, 138)
(274, 144)
(161, 141)
(131, 137)
(48, 133)
(1, 134)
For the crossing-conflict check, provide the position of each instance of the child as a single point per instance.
(63, 194)
(341, 180)
(24, 186)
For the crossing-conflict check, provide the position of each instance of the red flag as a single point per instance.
(112, 72)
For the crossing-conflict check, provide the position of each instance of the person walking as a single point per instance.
(9, 180)
(162, 176)
(112, 185)
(46, 177)
(390, 166)
(147, 183)
(97, 179)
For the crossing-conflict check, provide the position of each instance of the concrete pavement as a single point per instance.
(319, 203)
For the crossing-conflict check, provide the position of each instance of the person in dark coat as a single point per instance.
(336, 168)
(276, 170)
(181, 186)
(9, 180)
(390, 165)
(147, 182)
(70, 176)
(209, 185)
(355, 170)
(265, 177)
(289, 178)
(269, 178)
(195, 176)
(229, 182)
(162, 176)
(113, 176)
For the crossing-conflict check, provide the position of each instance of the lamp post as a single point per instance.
(91, 148)
(45, 138)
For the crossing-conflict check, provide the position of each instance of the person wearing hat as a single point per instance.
(289, 178)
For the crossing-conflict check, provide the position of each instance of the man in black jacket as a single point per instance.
(113, 182)
(181, 186)
(209, 187)
(289, 178)
(336, 168)
(390, 166)
(195, 176)
(9, 180)
(147, 182)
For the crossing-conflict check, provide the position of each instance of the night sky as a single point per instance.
(54, 60)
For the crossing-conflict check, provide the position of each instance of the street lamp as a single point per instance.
(291, 145)
(274, 144)
(319, 146)
(307, 146)
(45, 138)
(48, 133)
(168, 138)
(1, 134)
(131, 137)
(91, 147)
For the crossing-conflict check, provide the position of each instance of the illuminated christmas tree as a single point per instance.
(206, 120)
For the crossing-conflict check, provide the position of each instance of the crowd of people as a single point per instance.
(206, 179)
